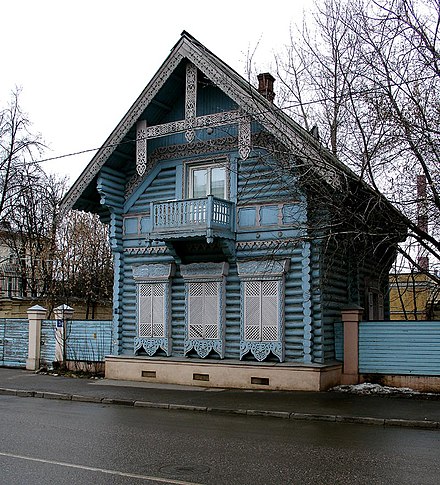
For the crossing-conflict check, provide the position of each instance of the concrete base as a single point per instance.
(32, 364)
(418, 383)
(224, 374)
(349, 379)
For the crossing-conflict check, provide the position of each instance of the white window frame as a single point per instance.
(203, 320)
(190, 167)
(153, 312)
(260, 330)
(205, 335)
(156, 306)
(260, 273)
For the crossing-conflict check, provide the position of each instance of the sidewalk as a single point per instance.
(417, 412)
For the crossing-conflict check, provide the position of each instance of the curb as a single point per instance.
(404, 423)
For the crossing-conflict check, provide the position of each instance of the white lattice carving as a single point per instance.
(211, 331)
(151, 310)
(203, 310)
(191, 93)
(190, 101)
(272, 244)
(244, 137)
(261, 310)
(141, 147)
(195, 331)
(218, 119)
(144, 330)
(164, 129)
(180, 126)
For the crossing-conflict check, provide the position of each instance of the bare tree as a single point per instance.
(32, 227)
(84, 260)
(367, 73)
(18, 145)
(52, 258)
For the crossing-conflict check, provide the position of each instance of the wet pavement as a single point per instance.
(420, 411)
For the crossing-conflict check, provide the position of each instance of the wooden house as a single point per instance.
(237, 237)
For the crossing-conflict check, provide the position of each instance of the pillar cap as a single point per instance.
(36, 308)
(63, 311)
(63, 307)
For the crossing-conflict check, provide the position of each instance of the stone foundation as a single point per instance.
(223, 374)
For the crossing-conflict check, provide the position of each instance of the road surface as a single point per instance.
(62, 442)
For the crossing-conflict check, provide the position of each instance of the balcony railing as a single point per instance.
(209, 217)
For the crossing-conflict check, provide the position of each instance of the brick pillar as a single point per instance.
(351, 317)
(35, 315)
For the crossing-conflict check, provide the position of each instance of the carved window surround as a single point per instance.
(267, 277)
(154, 278)
(204, 292)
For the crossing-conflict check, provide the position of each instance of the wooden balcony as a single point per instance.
(208, 217)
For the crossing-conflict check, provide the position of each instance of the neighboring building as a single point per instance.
(229, 267)
(15, 265)
(21, 284)
(414, 296)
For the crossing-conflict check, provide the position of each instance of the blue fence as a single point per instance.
(86, 341)
(47, 342)
(399, 347)
(14, 338)
(395, 347)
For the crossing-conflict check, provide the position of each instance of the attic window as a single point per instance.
(205, 179)
(208, 181)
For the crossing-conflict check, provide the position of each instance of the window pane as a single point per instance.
(199, 183)
(218, 182)
(269, 215)
(247, 217)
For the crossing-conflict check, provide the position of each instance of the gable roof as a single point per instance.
(233, 85)
(84, 195)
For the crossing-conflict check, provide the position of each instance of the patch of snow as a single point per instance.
(368, 389)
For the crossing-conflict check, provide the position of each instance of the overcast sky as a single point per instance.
(82, 63)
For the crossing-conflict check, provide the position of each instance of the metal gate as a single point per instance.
(14, 341)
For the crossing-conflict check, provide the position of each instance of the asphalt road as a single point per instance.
(59, 442)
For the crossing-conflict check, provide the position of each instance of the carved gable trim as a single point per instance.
(234, 86)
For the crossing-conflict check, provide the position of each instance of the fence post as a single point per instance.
(35, 316)
(62, 314)
(351, 317)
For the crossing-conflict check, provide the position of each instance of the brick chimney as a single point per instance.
(265, 85)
